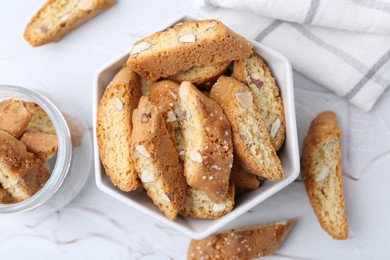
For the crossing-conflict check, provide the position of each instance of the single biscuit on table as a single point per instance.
(243, 180)
(41, 144)
(40, 121)
(114, 127)
(157, 160)
(243, 243)
(252, 144)
(165, 95)
(198, 205)
(208, 142)
(253, 71)
(14, 117)
(206, 74)
(186, 45)
(22, 173)
(321, 169)
(57, 18)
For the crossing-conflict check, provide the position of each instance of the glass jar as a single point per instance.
(70, 166)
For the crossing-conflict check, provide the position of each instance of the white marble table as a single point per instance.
(95, 226)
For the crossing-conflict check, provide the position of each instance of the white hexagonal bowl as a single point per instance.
(199, 228)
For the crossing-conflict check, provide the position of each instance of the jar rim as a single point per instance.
(64, 150)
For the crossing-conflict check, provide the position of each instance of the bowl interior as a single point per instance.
(289, 153)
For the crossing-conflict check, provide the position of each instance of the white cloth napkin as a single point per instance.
(343, 45)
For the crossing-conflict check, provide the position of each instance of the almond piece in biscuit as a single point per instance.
(157, 160)
(14, 117)
(243, 243)
(42, 145)
(57, 18)
(252, 144)
(321, 168)
(114, 126)
(22, 173)
(208, 142)
(253, 71)
(186, 45)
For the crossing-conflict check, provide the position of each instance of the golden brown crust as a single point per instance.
(254, 72)
(208, 142)
(252, 144)
(241, 244)
(42, 145)
(187, 44)
(56, 18)
(114, 126)
(157, 159)
(14, 117)
(198, 205)
(243, 180)
(321, 169)
(23, 174)
(5, 197)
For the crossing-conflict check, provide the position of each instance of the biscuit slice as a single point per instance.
(252, 144)
(165, 94)
(22, 173)
(321, 169)
(208, 141)
(243, 180)
(186, 45)
(114, 126)
(198, 205)
(254, 72)
(57, 18)
(202, 74)
(157, 159)
(40, 121)
(243, 243)
(14, 117)
(44, 146)
(5, 197)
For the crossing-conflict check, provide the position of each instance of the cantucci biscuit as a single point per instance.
(157, 160)
(202, 74)
(321, 168)
(241, 244)
(40, 121)
(165, 95)
(114, 126)
(14, 117)
(252, 144)
(254, 72)
(208, 142)
(22, 173)
(243, 180)
(198, 205)
(41, 144)
(187, 44)
(57, 18)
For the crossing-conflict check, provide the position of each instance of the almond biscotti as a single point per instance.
(202, 74)
(208, 141)
(187, 44)
(198, 205)
(41, 144)
(252, 144)
(14, 117)
(243, 180)
(57, 18)
(157, 160)
(22, 173)
(114, 126)
(40, 121)
(321, 169)
(254, 72)
(243, 243)
(165, 95)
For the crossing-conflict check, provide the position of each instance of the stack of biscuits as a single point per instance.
(194, 117)
(27, 140)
